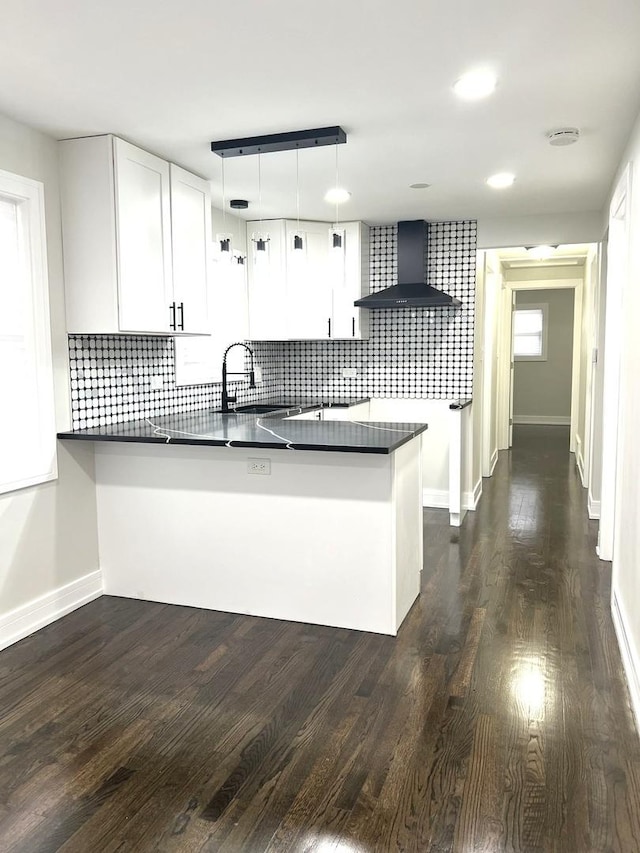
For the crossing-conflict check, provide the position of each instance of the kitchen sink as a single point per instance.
(257, 409)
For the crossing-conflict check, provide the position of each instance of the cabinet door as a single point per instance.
(143, 228)
(349, 271)
(267, 282)
(190, 236)
(308, 284)
(199, 357)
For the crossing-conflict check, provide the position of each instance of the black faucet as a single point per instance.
(226, 398)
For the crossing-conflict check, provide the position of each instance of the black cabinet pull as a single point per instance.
(172, 316)
(329, 322)
(181, 310)
(353, 327)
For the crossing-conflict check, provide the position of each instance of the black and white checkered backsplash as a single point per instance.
(412, 352)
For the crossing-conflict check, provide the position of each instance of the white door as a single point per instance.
(190, 236)
(308, 285)
(143, 228)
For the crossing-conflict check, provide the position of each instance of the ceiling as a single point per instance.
(172, 76)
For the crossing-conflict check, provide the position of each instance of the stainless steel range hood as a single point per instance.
(412, 289)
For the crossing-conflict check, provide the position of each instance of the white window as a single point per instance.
(27, 425)
(530, 333)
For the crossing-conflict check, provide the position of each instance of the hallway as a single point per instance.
(498, 720)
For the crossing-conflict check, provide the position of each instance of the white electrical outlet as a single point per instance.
(349, 372)
(258, 374)
(258, 466)
(156, 383)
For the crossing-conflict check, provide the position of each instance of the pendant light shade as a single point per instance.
(260, 239)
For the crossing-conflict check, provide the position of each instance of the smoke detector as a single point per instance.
(563, 136)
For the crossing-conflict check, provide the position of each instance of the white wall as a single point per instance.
(475, 449)
(48, 534)
(626, 549)
(542, 389)
(492, 293)
(588, 367)
(501, 232)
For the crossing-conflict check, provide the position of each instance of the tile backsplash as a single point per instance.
(410, 353)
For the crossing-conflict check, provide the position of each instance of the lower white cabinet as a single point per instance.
(301, 287)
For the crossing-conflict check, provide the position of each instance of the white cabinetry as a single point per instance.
(120, 236)
(267, 282)
(349, 269)
(307, 293)
(308, 308)
(190, 236)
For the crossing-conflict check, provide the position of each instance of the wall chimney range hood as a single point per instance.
(411, 291)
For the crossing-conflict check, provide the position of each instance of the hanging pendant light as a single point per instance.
(298, 242)
(224, 239)
(336, 234)
(259, 239)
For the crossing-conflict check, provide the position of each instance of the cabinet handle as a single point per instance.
(172, 316)
(329, 322)
(353, 327)
(181, 310)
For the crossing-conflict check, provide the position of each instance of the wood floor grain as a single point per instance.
(497, 720)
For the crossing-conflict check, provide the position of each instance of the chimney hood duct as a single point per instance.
(412, 290)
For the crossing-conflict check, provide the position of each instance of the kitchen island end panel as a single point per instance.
(327, 538)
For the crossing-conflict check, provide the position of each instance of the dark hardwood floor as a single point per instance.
(498, 720)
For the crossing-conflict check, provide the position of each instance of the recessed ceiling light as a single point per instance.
(541, 253)
(475, 84)
(337, 195)
(501, 181)
(419, 186)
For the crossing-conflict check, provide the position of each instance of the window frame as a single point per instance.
(533, 306)
(28, 194)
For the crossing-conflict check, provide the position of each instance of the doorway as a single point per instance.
(524, 391)
(542, 347)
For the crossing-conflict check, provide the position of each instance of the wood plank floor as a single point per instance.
(498, 720)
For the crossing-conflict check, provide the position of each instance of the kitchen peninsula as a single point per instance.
(280, 515)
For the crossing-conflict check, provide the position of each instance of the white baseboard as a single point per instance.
(35, 614)
(494, 461)
(593, 507)
(438, 498)
(470, 500)
(543, 420)
(580, 460)
(628, 655)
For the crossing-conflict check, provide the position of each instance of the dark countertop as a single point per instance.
(265, 431)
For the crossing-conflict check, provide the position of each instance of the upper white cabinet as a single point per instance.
(308, 309)
(267, 281)
(143, 239)
(190, 236)
(135, 233)
(350, 281)
(307, 293)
